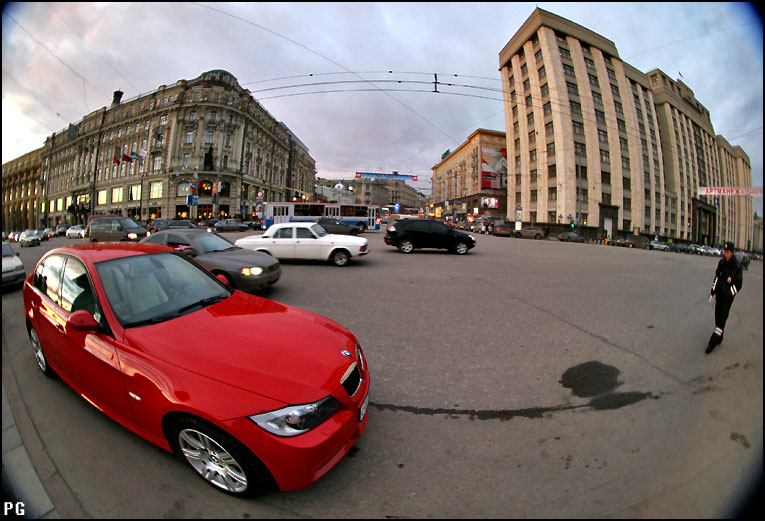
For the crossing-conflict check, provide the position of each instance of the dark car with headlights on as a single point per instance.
(30, 238)
(249, 392)
(410, 234)
(336, 226)
(245, 270)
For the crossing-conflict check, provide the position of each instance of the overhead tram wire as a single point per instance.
(326, 58)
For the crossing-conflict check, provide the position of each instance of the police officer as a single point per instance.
(728, 281)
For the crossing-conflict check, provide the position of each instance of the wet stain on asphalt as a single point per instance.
(590, 379)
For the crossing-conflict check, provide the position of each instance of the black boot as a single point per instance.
(713, 341)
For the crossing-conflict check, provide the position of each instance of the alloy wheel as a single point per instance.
(212, 461)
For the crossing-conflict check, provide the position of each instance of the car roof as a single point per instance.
(103, 251)
(298, 224)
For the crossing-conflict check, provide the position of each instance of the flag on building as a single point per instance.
(126, 158)
(116, 156)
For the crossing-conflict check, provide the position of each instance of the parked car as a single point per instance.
(534, 232)
(43, 235)
(248, 391)
(49, 232)
(230, 225)
(658, 245)
(306, 240)
(618, 241)
(504, 229)
(637, 241)
(337, 226)
(709, 251)
(75, 232)
(683, 248)
(244, 270)
(61, 229)
(114, 228)
(570, 237)
(410, 234)
(13, 268)
(29, 238)
(696, 249)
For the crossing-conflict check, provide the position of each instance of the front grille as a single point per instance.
(352, 382)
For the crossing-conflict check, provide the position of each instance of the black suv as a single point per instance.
(408, 234)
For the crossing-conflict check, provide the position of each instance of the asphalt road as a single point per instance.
(524, 379)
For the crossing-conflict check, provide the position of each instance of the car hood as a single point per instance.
(10, 263)
(237, 257)
(255, 344)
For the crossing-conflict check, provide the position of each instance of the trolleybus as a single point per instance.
(365, 216)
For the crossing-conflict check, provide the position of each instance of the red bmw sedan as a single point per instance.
(250, 392)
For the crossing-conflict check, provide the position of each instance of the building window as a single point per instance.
(189, 137)
(597, 98)
(551, 171)
(578, 127)
(209, 137)
(600, 116)
(568, 69)
(545, 89)
(605, 177)
(186, 160)
(552, 194)
(155, 189)
(547, 107)
(117, 195)
(551, 148)
(602, 136)
(576, 107)
(605, 157)
(580, 149)
(541, 72)
(572, 88)
(533, 196)
(564, 53)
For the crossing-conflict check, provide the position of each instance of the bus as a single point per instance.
(365, 216)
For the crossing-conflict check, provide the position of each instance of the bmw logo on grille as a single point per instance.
(345, 353)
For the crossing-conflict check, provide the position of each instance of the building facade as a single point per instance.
(472, 180)
(21, 185)
(382, 192)
(594, 141)
(204, 141)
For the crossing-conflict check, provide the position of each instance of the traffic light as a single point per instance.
(572, 224)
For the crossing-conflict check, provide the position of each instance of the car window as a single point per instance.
(7, 250)
(76, 291)
(304, 233)
(213, 242)
(419, 226)
(48, 276)
(178, 242)
(152, 288)
(157, 238)
(318, 230)
(438, 227)
(283, 233)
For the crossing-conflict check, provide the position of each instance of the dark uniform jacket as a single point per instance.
(728, 270)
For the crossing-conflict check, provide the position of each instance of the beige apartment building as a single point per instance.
(594, 141)
(472, 180)
(381, 192)
(145, 156)
(21, 185)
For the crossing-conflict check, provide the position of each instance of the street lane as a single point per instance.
(525, 379)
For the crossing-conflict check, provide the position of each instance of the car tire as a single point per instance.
(37, 348)
(362, 227)
(219, 458)
(406, 246)
(460, 248)
(340, 258)
(537, 236)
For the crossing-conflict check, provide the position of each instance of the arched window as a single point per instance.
(183, 189)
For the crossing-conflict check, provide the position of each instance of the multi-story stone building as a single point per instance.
(381, 192)
(593, 140)
(21, 192)
(143, 157)
(472, 180)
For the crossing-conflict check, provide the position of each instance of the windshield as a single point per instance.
(7, 250)
(130, 223)
(214, 242)
(318, 230)
(148, 289)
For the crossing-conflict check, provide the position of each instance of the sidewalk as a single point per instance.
(20, 481)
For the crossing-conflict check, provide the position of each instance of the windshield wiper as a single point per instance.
(152, 320)
(203, 302)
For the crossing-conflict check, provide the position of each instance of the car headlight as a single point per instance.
(296, 419)
(252, 271)
(132, 235)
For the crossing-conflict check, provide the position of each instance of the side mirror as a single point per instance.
(82, 320)
(222, 278)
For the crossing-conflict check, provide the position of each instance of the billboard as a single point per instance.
(493, 167)
(384, 177)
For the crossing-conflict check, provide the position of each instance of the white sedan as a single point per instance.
(300, 240)
(75, 232)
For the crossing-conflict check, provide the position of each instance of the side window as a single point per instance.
(304, 233)
(76, 291)
(50, 277)
(283, 233)
(437, 227)
(419, 226)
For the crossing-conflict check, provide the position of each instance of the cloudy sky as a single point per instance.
(319, 67)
